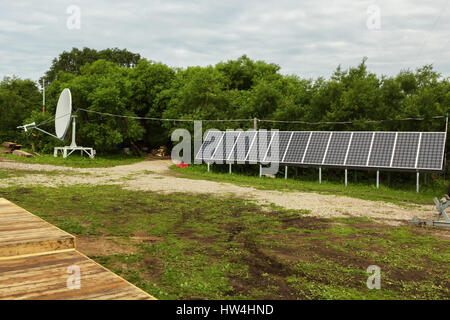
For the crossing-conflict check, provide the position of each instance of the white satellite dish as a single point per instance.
(62, 122)
(63, 113)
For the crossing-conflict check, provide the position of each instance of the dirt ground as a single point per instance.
(156, 176)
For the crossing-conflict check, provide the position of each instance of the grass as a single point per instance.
(183, 246)
(76, 160)
(15, 173)
(400, 193)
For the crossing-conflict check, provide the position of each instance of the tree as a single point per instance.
(147, 80)
(71, 62)
(17, 99)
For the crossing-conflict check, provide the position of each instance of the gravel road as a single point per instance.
(156, 176)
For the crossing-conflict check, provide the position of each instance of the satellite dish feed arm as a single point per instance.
(37, 128)
(33, 126)
(25, 127)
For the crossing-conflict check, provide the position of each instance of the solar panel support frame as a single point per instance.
(326, 149)
(378, 179)
(234, 146)
(393, 150)
(370, 149)
(307, 146)
(217, 146)
(268, 147)
(320, 174)
(287, 147)
(417, 181)
(348, 148)
(250, 147)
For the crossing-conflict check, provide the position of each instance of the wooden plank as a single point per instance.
(24, 233)
(8, 144)
(35, 257)
(44, 277)
(21, 153)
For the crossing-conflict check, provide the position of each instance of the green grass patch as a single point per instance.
(78, 161)
(183, 246)
(400, 193)
(15, 173)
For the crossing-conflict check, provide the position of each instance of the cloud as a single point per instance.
(308, 38)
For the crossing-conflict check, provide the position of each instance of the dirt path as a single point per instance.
(156, 176)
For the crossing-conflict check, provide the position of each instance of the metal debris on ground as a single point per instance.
(440, 206)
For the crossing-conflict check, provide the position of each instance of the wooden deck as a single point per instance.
(24, 233)
(37, 261)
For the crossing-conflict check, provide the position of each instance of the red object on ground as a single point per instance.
(182, 165)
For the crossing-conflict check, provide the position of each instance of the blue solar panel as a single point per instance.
(259, 148)
(359, 149)
(244, 142)
(317, 147)
(226, 146)
(213, 137)
(338, 148)
(377, 150)
(431, 151)
(405, 152)
(297, 147)
(382, 149)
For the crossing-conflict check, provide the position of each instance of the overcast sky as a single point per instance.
(305, 37)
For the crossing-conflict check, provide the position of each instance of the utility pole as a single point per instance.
(43, 95)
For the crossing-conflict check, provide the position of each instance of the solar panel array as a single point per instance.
(417, 151)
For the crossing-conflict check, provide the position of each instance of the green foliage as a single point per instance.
(71, 62)
(181, 246)
(17, 99)
(120, 82)
(401, 191)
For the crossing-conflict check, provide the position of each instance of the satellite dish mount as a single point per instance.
(63, 116)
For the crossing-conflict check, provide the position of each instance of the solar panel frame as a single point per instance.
(232, 152)
(382, 150)
(242, 156)
(336, 155)
(362, 151)
(283, 140)
(317, 147)
(287, 146)
(406, 148)
(274, 139)
(425, 154)
(202, 147)
(199, 155)
(291, 154)
(359, 149)
(258, 151)
(224, 151)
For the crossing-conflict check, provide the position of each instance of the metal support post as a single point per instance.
(417, 181)
(320, 174)
(378, 179)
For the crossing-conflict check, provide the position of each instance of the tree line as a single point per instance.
(121, 82)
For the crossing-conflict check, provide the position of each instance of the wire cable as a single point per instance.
(259, 120)
(350, 122)
(162, 119)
